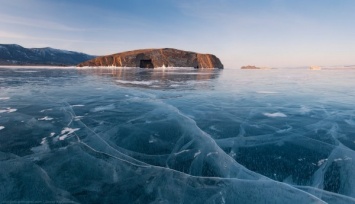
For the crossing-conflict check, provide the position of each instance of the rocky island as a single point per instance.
(250, 67)
(153, 58)
(253, 67)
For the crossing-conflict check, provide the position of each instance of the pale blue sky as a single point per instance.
(275, 33)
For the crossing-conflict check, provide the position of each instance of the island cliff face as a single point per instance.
(153, 58)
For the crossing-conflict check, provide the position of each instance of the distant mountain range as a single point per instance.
(12, 54)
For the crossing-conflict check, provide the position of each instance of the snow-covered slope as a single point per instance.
(12, 54)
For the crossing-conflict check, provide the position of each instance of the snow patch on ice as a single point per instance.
(214, 128)
(4, 98)
(342, 159)
(45, 118)
(211, 153)
(2, 127)
(78, 105)
(136, 82)
(152, 139)
(320, 162)
(77, 118)
(183, 151)
(66, 132)
(44, 110)
(232, 154)
(44, 147)
(350, 122)
(175, 85)
(174, 68)
(275, 115)
(8, 110)
(289, 128)
(304, 110)
(347, 158)
(103, 108)
(197, 153)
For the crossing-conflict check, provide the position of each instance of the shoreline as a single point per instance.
(36, 66)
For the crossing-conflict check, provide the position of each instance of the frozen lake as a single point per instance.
(131, 135)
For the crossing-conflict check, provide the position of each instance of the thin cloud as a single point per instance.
(38, 23)
(20, 36)
(12, 35)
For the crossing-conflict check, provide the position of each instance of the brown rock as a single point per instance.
(152, 58)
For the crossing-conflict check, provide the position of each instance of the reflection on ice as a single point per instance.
(157, 78)
(267, 92)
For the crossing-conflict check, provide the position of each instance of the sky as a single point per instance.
(267, 33)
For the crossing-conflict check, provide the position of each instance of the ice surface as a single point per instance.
(103, 108)
(267, 92)
(181, 136)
